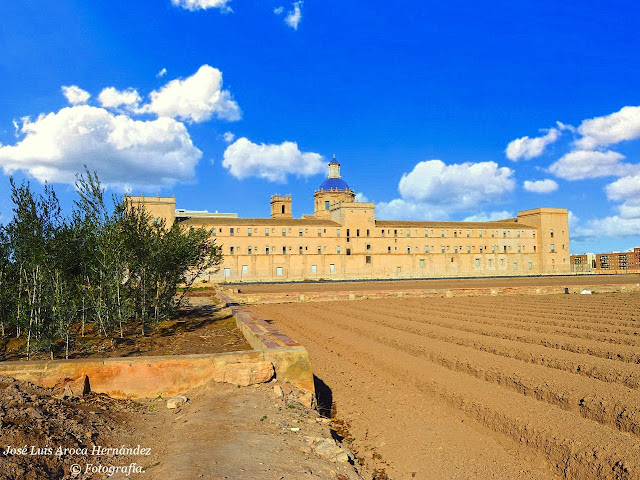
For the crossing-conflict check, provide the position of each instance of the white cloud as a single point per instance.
(581, 164)
(294, 16)
(196, 98)
(612, 226)
(161, 73)
(75, 95)
(244, 158)
(489, 217)
(360, 197)
(528, 148)
(541, 186)
(609, 129)
(459, 186)
(400, 209)
(110, 97)
(194, 5)
(624, 188)
(125, 152)
(278, 10)
(228, 137)
(433, 190)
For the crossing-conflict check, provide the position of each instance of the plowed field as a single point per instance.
(481, 387)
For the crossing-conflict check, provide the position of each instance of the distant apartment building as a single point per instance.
(612, 262)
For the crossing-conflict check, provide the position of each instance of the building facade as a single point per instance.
(343, 240)
(612, 262)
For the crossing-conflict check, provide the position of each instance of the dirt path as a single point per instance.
(485, 387)
(305, 287)
(225, 432)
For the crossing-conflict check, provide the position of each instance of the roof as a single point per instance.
(287, 222)
(460, 225)
(334, 184)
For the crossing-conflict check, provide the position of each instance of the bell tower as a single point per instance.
(281, 206)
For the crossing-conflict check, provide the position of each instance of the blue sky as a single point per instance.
(436, 110)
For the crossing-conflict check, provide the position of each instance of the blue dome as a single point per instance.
(334, 184)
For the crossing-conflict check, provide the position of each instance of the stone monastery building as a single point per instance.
(344, 240)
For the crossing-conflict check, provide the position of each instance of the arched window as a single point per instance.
(282, 208)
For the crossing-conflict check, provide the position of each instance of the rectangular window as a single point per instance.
(553, 248)
(442, 233)
(489, 262)
(266, 232)
(455, 233)
(332, 268)
(319, 250)
(266, 250)
(337, 232)
(505, 249)
(530, 265)
(314, 269)
(245, 269)
(502, 262)
(518, 233)
(338, 249)
(408, 249)
(480, 233)
(249, 249)
(348, 232)
(319, 232)
(231, 250)
(442, 249)
(231, 232)
(395, 233)
(426, 249)
(552, 233)
(326, 205)
(455, 248)
(426, 232)
(408, 232)
(249, 232)
(534, 249)
(468, 233)
(481, 249)
(493, 233)
(388, 249)
(284, 232)
(279, 271)
(300, 249)
(300, 232)
(468, 249)
(421, 263)
(358, 232)
(515, 266)
(348, 251)
(399, 269)
(519, 248)
(504, 234)
(368, 246)
(493, 249)
(367, 232)
(367, 259)
(227, 272)
(477, 262)
(213, 232)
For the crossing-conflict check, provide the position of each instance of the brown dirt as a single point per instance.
(202, 326)
(31, 417)
(481, 387)
(391, 285)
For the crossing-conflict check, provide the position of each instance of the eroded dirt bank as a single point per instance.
(485, 387)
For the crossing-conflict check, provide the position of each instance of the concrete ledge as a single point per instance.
(131, 377)
(254, 299)
(290, 359)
